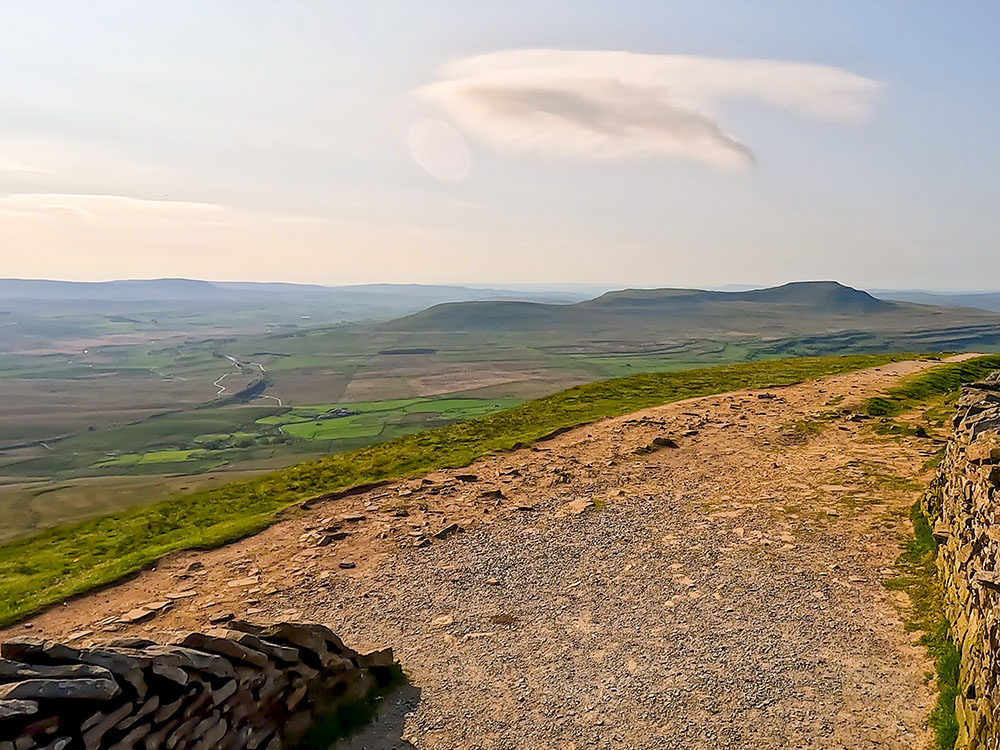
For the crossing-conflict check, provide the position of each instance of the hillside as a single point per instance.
(753, 611)
(980, 300)
(798, 307)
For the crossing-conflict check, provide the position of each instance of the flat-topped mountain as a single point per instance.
(798, 307)
(819, 296)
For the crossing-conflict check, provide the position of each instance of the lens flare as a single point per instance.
(440, 150)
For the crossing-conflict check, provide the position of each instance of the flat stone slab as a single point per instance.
(12, 708)
(42, 689)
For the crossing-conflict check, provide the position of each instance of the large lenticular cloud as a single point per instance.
(606, 104)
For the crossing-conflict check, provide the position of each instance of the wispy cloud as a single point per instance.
(9, 165)
(608, 104)
(89, 206)
(114, 212)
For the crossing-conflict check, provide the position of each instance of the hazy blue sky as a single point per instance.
(431, 141)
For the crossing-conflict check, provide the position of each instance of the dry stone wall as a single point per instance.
(249, 686)
(963, 504)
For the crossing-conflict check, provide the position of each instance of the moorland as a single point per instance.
(118, 395)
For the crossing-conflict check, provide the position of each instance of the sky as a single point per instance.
(641, 142)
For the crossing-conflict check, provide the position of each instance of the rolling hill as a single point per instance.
(981, 300)
(799, 309)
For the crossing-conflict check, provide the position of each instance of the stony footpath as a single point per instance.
(249, 687)
(962, 504)
(706, 574)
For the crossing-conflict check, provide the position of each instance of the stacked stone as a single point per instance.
(963, 504)
(249, 687)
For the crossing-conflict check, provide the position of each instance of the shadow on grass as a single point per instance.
(385, 732)
(375, 722)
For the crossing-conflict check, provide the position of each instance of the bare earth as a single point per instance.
(724, 593)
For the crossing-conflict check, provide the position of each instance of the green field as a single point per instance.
(226, 438)
(379, 419)
(152, 457)
(57, 563)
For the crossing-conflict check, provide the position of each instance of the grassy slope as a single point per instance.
(922, 388)
(46, 568)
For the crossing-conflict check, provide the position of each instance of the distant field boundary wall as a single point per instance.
(963, 504)
(251, 686)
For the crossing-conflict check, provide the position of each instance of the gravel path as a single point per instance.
(605, 592)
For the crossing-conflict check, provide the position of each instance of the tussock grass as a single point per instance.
(924, 387)
(40, 570)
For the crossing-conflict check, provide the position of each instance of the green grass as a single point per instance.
(917, 576)
(807, 427)
(332, 429)
(163, 457)
(937, 381)
(46, 568)
(152, 457)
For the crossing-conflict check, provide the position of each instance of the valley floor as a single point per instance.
(727, 592)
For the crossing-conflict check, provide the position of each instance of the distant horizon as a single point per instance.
(515, 286)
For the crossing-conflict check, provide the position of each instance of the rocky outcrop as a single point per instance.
(251, 686)
(963, 505)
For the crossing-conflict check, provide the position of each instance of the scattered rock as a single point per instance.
(447, 531)
(239, 583)
(136, 615)
(575, 507)
(664, 442)
(327, 539)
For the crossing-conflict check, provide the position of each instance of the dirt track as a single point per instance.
(724, 593)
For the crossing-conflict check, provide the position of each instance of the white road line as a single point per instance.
(218, 384)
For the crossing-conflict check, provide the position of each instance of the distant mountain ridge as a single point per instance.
(181, 289)
(978, 300)
(827, 295)
(119, 290)
(660, 308)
